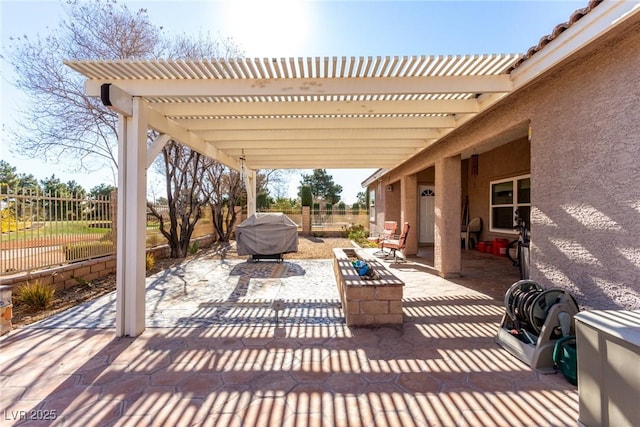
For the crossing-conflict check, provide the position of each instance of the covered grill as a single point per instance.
(267, 236)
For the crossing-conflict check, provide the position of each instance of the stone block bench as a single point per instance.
(367, 302)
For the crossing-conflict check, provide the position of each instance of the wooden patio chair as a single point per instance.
(398, 244)
(388, 232)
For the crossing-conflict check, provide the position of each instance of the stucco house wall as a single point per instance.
(387, 207)
(586, 175)
(506, 161)
(585, 169)
(392, 203)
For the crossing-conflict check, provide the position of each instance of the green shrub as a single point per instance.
(35, 295)
(194, 247)
(82, 281)
(358, 234)
(355, 208)
(306, 197)
(81, 251)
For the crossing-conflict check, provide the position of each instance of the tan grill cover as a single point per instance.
(267, 234)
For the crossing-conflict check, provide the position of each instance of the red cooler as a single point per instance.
(500, 247)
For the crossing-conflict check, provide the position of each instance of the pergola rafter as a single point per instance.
(281, 112)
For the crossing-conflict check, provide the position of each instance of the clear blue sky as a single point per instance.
(299, 28)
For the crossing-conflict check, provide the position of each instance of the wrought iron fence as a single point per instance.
(42, 230)
(326, 219)
(337, 218)
(294, 213)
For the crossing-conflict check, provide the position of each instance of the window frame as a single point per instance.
(514, 202)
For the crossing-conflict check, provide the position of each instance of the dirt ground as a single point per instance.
(308, 248)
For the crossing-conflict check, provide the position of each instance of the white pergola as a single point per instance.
(304, 113)
(277, 114)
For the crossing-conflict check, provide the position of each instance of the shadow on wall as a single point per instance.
(593, 252)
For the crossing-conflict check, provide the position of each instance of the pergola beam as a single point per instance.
(318, 134)
(310, 163)
(163, 125)
(309, 86)
(422, 106)
(235, 145)
(320, 151)
(242, 124)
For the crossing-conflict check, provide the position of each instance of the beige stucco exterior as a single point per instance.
(576, 130)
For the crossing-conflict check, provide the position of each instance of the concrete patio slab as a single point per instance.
(213, 355)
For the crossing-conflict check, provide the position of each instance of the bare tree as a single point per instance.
(186, 198)
(204, 45)
(65, 123)
(274, 181)
(61, 121)
(224, 189)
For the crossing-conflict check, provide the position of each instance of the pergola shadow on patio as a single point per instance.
(441, 368)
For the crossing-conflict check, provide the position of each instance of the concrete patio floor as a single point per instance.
(214, 355)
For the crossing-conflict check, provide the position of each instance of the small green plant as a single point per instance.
(150, 261)
(194, 248)
(82, 282)
(358, 234)
(35, 295)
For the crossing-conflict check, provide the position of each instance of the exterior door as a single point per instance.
(427, 213)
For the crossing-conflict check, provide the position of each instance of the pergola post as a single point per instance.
(448, 215)
(131, 232)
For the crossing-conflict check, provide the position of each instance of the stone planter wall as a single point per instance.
(367, 302)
